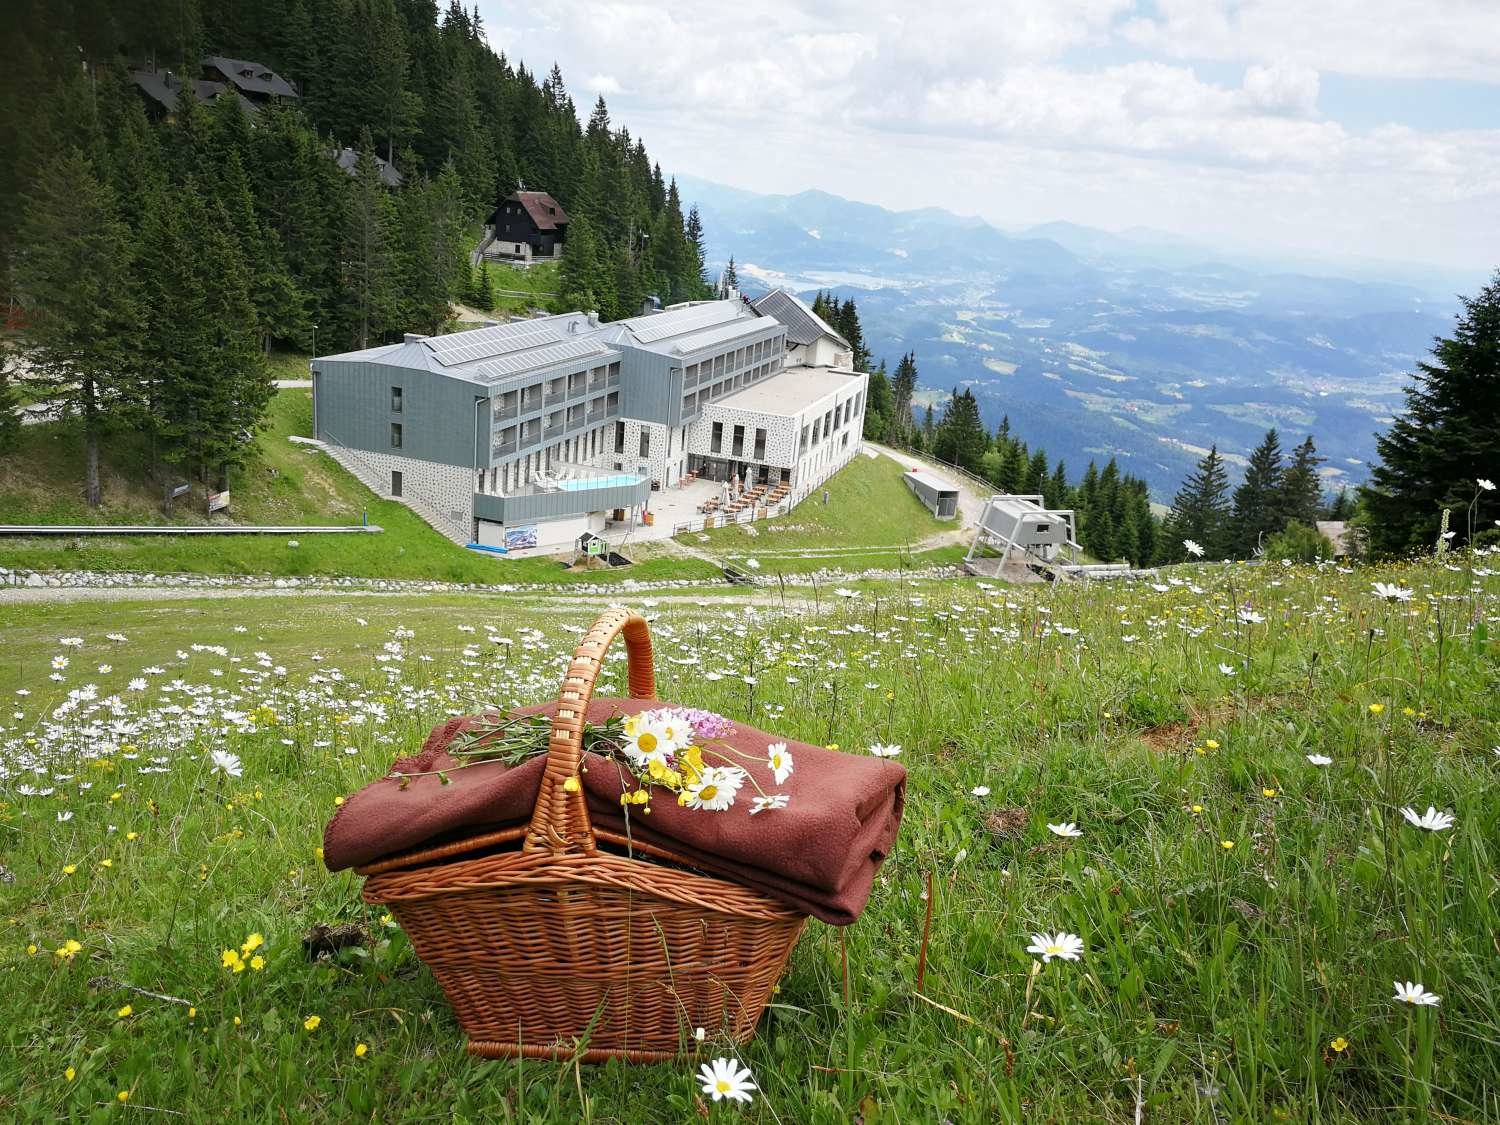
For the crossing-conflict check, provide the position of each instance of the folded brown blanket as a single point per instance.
(818, 854)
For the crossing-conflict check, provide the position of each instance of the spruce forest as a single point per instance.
(219, 234)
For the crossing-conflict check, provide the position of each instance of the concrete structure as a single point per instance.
(938, 494)
(534, 432)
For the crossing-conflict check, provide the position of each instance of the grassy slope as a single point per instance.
(1206, 968)
(871, 520)
(539, 283)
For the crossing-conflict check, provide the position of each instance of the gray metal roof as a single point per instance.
(691, 328)
(251, 77)
(932, 481)
(486, 356)
(162, 87)
(348, 158)
(803, 326)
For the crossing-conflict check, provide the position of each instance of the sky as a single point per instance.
(1348, 129)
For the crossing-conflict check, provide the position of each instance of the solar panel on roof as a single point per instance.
(482, 343)
(718, 334)
(537, 358)
(662, 325)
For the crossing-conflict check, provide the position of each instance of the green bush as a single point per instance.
(1299, 543)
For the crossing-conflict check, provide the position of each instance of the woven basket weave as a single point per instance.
(559, 949)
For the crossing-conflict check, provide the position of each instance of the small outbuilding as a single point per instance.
(937, 494)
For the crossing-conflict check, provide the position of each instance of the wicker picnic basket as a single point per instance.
(550, 946)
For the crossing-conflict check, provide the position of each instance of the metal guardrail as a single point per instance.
(41, 530)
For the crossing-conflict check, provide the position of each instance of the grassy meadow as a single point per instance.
(1234, 744)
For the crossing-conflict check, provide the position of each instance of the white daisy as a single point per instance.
(779, 759)
(1391, 592)
(1192, 548)
(1413, 993)
(724, 1078)
(1432, 820)
(1227, 669)
(1486, 484)
(1067, 828)
(226, 763)
(1067, 947)
(769, 803)
(881, 751)
(715, 788)
(1320, 759)
(980, 791)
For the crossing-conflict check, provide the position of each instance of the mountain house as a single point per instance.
(526, 225)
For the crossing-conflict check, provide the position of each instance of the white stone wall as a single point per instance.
(781, 435)
(659, 465)
(447, 488)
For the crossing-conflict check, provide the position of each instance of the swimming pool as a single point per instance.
(577, 484)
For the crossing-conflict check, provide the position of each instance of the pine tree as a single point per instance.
(731, 277)
(83, 346)
(1445, 440)
(903, 387)
(1258, 510)
(1301, 498)
(693, 230)
(927, 428)
(1200, 512)
(582, 276)
(370, 249)
(960, 438)
(878, 404)
(484, 288)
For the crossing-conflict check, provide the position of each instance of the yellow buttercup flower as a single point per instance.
(1268, 793)
(70, 1074)
(1227, 845)
(1376, 708)
(311, 1022)
(1212, 744)
(69, 868)
(257, 962)
(1339, 1044)
(252, 943)
(360, 1050)
(123, 1096)
(125, 1012)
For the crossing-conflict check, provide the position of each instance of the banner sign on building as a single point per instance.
(517, 538)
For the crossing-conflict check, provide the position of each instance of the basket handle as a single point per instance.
(560, 821)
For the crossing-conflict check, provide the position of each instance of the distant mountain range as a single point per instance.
(1137, 344)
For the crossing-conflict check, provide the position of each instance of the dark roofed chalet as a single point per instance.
(348, 158)
(254, 81)
(528, 224)
(161, 88)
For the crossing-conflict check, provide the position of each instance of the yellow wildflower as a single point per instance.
(70, 1074)
(1227, 845)
(236, 1021)
(1197, 809)
(31, 950)
(1376, 708)
(318, 852)
(257, 962)
(192, 1013)
(1212, 744)
(1268, 793)
(1408, 712)
(125, 1012)
(311, 1022)
(123, 1096)
(106, 863)
(1339, 1044)
(252, 943)
(337, 801)
(360, 1050)
(115, 796)
(132, 835)
(69, 868)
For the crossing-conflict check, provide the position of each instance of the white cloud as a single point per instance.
(1001, 109)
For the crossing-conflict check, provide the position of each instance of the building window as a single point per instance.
(645, 443)
(619, 437)
(716, 441)
(395, 483)
(738, 448)
(395, 435)
(395, 400)
(760, 444)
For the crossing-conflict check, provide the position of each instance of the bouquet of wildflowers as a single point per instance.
(679, 749)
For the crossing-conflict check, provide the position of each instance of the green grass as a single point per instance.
(520, 290)
(871, 521)
(1213, 980)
